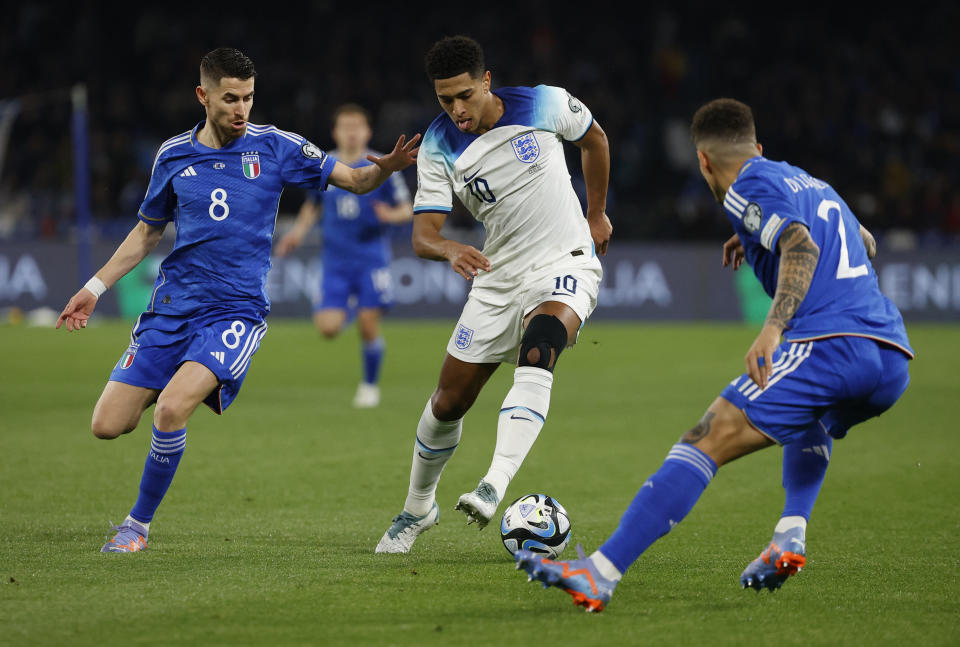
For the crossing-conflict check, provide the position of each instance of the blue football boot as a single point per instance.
(578, 577)
(785, 556)
(131, 537)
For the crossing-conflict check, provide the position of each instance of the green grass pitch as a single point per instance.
(267, 534)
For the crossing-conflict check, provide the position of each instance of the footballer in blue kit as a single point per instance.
(356, 248)
(220, 184)
(832, 353)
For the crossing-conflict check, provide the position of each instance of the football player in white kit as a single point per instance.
(535, 281)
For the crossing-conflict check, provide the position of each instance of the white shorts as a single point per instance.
(491, 323)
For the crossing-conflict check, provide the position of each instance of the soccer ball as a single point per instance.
(535, 522)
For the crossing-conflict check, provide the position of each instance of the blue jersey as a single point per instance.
(223, 202)
(844, 297)
(352, 233)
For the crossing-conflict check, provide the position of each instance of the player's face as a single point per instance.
(351, 132)
(464, 99)
(228, 105)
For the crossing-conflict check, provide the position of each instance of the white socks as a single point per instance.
(788, 523)
(521, 418)
(605, 566)
(435, 444)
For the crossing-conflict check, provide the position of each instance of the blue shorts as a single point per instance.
(371, 286)
(833, 383)
(159, 344)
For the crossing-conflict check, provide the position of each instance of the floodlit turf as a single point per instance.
(267, 534)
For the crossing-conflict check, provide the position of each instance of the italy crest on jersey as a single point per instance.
(526, 147)
(464, 337)
(251, 165)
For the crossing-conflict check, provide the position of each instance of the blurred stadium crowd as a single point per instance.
(870, 103)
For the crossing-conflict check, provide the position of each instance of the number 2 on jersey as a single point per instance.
(844, 271)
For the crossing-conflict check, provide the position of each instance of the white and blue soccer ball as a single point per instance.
(535, 522)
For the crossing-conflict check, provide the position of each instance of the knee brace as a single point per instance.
(545, 333)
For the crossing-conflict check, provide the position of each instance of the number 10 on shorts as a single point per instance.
(565, 284)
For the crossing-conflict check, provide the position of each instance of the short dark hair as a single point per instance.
(724, 120)
(226, 62)
(452, 56)
(350, 109)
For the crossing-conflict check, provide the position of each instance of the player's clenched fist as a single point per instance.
(600, 231)
(733, 252)
(467, 261)
(78, 310)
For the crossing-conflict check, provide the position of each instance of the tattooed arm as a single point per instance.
(798, 260)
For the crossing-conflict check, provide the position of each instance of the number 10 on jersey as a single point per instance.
(481, 190)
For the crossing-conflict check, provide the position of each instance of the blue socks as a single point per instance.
(166, 448)
(662, 502)
(372, 359)
(804, 468)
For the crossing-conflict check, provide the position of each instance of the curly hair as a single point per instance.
(453, 55)
(724, 120)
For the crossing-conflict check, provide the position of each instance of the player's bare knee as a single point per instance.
(450, 405)
(168, 415)
(105, 429)
(328, 332)
(542, 342)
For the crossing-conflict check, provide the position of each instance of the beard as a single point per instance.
(718, 194)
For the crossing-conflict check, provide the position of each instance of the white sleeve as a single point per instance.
(433, 186)
(563, 113)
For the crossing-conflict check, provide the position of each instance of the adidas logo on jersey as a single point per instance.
(189, 172)
(217, 355)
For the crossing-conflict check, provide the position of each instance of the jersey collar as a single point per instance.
(196, 142)
(749, 163)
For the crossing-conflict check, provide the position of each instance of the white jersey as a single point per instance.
(514, 180)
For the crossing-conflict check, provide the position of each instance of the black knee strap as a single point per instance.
(544, 333)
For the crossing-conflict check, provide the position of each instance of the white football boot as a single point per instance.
(367, 397)
(405, 529)
(479, 505)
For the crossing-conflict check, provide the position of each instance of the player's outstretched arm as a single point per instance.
(467, 261)
(142, 240)
(798, 260)
(595, 158)
(367, 178)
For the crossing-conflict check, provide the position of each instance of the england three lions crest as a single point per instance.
(464, 337)
(526, 147)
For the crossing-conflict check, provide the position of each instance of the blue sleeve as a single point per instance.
(159, 206)
(395, 190)
(304, 165)
(763, 208)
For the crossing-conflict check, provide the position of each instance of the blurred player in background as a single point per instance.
(844, 359)
(536, 280)
(356, 248)
(220, 184)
